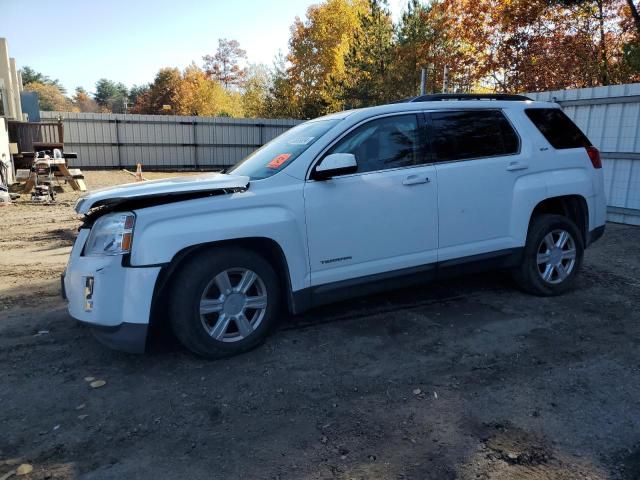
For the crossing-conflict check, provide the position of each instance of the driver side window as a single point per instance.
(384, 143)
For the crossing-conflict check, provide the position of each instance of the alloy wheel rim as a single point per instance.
(556, 256)
(233, 304)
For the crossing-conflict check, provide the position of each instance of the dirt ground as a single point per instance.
(468, 379)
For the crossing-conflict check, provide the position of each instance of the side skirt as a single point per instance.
(362, 286)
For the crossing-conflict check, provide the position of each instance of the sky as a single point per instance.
(79, 42)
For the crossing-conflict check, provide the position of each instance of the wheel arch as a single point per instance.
(574, 207)
(267, 247)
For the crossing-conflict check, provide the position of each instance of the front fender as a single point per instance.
(162, 232)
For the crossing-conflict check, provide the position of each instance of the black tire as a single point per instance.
(529, 275)
(188, 286)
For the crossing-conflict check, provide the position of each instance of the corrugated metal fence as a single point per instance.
(104, 140)
(610, 116)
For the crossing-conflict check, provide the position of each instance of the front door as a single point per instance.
(384, 217)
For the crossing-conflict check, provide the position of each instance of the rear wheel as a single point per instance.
(552, 256)
(223, 302)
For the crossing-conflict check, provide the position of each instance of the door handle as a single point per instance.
(513, 166)
(415, 180)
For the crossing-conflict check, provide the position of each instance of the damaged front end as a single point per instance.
(135, 196)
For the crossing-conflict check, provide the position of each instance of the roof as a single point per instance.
(443, 102)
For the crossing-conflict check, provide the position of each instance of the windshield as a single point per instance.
(281, 151)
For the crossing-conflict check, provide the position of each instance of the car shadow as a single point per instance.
(161, 339)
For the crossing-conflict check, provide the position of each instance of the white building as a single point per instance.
(10, 105)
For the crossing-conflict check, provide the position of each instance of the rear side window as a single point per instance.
(557, 128)
(461, 135)
(384, 143)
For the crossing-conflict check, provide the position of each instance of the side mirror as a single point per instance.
(335, 164)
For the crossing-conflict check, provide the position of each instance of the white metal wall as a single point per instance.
(610, 116)
(5, 156)
(104, 140)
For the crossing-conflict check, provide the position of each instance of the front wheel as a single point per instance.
(552, 256)
(223, 302)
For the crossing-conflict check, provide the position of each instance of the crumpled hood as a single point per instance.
(157, 188)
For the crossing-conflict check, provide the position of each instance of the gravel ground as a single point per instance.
(468, 379)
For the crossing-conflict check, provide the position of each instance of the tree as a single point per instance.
(317, 50)
(163, 91)
(255, 91)
(111, 96)
(442, 34)
(50, 97)
(29, 75)
(415, 31)
(617, 37)
(84, 102)
(279, 101)
(190, 92)
(225, 66)
(368, 61)
(203, 96)
(633, 9)
(136, 91)
(635, 14)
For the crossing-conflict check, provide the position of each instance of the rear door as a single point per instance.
(478, 162)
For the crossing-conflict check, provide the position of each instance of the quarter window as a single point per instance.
(388, 142)
(472, 134)
(557, 128)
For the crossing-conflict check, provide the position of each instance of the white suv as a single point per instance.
(348, 204)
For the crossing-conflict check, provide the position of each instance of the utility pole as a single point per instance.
(445, 79)
(423, 81)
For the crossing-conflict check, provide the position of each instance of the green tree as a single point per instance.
(255, 91)
(280, 99)
(632, 56)
(29, 75)
(111, 96)
(369, 60)
(414, 31)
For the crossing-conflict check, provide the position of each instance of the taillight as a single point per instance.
(594, 156)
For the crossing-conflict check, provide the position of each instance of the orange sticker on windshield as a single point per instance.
(278, 160)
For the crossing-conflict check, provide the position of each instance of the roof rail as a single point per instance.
(437, 97)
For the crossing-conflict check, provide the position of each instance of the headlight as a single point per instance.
(111, 235)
